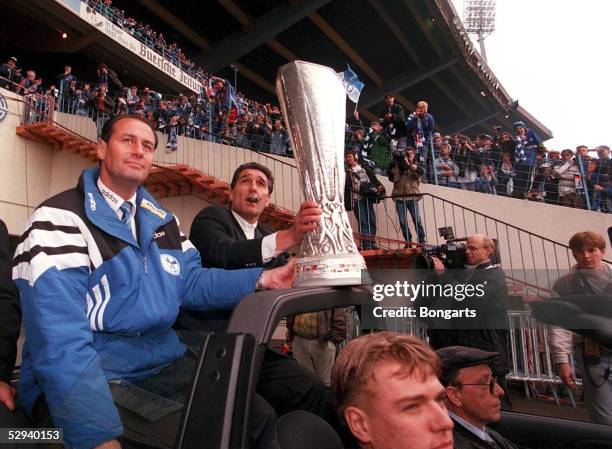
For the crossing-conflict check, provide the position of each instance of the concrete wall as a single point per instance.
(30, 171)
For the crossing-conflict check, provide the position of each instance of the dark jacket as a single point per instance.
(10, 309)
(218, 237)
(369, 191)
(489, 330)
(397, 112)
(464, 439)
(331, 325)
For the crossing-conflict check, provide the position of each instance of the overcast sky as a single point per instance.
(555, 57)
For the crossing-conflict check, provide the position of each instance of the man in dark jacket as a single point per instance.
(361, 190)
(472, 397)
(11, 414)
(488, 330)
(11, 73)
(233, 238)
(10, 322)
(394, 121)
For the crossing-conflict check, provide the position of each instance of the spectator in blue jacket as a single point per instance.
(526, 145)
(103, 270)
(420, 127)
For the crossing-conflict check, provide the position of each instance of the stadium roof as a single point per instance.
(415, 49)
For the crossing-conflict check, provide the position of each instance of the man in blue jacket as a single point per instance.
(420, 128)
(103, 270)
(527, 142)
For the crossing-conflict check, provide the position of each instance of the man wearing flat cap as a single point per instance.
(472, 397)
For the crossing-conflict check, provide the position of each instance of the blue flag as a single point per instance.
(231, 98)
(351, 83)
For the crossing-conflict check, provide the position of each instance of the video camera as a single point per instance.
(451, 252)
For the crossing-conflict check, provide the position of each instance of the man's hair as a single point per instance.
(587, 239)
(487, 242)
(254, 166)
(358, 361)
(449, 377)
(109, 126)
(422, 104)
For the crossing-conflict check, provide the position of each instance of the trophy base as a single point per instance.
(329, 271)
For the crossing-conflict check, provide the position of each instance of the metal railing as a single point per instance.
(529, 259)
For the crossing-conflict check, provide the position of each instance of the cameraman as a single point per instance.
(488, 331)
(361, 191)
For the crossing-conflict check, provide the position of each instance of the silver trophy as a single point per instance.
(313, 101)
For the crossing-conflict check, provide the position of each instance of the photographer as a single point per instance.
(488, 331)
(361, 191)
(469, 161)
(405, 174)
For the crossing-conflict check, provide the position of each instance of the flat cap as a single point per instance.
(458, 357)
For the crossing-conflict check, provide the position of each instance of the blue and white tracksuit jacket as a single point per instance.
(99, 305)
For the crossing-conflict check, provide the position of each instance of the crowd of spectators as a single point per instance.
(152, 39)
(505, 163)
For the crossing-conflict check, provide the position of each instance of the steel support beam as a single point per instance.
(261, 31)
(176, 23)
(343, 45)
(401, 82)
(462, 125)
(423, 23)
(255, 77)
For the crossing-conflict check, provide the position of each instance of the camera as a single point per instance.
(371, 192)
(451, 252)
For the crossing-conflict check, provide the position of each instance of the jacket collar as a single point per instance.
(149, 214)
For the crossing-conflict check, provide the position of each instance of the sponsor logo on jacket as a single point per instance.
(170, 264)
(146, 204)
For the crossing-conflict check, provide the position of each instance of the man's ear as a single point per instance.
(453, 396)
(358, 423)
(101, 149)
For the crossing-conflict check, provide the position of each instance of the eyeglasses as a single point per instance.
(491, 383)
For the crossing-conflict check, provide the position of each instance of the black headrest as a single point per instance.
(304, 430)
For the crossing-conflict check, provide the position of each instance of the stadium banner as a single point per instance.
(129, 42)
